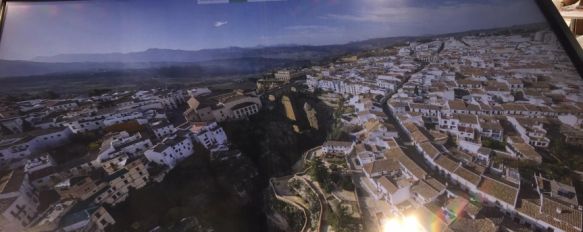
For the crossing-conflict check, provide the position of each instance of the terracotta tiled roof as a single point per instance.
(561, 215)
(425, 190)
(419, 137)
(466, 118)
(411, 127)
(463, 224)
(528, 151)
(429, 149)
(385, 165)
(434, 183)
(467, 175)
(446, 163)
(568, 219)
(499, 190)
(457, 105)
(385, 183)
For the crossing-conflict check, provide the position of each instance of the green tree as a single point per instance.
(558, 146)
(493, 144)
(347, 183)
(320, 174)
(450, 142)
(340, 220)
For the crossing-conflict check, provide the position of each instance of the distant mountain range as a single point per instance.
(160, 58)
(233, 58)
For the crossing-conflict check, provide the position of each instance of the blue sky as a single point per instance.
(104, 26)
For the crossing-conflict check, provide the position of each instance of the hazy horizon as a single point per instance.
(48, 29)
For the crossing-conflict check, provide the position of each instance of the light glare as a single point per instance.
(404, 224)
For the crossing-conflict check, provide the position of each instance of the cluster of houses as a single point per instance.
(43, 148)
(361, 76)
(463, 105)
(502, 99)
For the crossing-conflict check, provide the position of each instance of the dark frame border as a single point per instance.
(563, 33)
(2, 16)
(550, 12)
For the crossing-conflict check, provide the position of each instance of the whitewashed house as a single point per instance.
(15, 149)
(162, 129)
(339, 147)
(170, 151)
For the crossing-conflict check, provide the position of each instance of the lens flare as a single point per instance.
(403, 224)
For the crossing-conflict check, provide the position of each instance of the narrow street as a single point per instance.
(404, 139)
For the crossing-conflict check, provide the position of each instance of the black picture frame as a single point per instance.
(2, 16)
(563, 33)
(550, 12)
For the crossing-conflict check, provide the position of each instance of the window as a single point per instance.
(103, 222)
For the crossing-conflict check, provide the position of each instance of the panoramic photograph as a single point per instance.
(287, 116)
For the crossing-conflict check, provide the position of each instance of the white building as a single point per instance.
(531, 131)
(209, 134)
(122, 117)
(339, 147)
(199, 91)
(54, 105)
(395, 192)
(39, 163)
(14, 149)
(151, 104)
(122, 143)
(162, 129)
(120, 181)
(219, 107)
(170, 151)
(85, 124)
(286, 75)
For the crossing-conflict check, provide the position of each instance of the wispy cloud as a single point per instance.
(220, 23)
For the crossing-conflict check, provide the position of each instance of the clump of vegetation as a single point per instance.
(329, 178)
(450, 142)
(341, 221)
(347, 184)
(130, 127)
(338, 130)
(318, 172)
(493, 144)
(555, 171)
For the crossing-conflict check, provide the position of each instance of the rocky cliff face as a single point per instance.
(227, 195)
